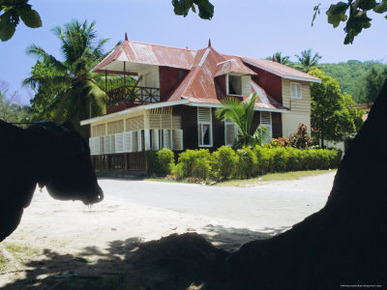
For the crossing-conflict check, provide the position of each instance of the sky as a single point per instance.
(253, 28)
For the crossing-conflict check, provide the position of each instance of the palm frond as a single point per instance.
(40, 53)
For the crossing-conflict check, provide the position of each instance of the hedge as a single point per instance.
(225, 163)
(193, 163)
(160, 163)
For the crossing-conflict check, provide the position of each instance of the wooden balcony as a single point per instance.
(132, 95)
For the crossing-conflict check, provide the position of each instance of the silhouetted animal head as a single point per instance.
(68, 173)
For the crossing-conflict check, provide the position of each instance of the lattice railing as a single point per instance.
(133, 95)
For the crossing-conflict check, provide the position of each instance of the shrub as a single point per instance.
(224, 161)
(294, 159)
(193, 163)
(335, 157)
(160, 162)
(300, 138)
(247, 163)
(264, 160)
(280, 159)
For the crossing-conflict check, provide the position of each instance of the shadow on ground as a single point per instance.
(174, 262)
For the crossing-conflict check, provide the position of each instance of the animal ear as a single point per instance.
(68, 125)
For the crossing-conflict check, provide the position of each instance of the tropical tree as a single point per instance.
(332, 115)
(241, 114)
(374, 81)
(279, 58)
(10, 108)
(66, 89)
(307, 61)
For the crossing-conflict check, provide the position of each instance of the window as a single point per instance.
(265, 120)
(238, 85)
(230, 132)
(234, 85)
(295, 90)
(205, 127)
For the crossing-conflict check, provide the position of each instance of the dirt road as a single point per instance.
(141, 211)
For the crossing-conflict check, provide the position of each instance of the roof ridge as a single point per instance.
(163, 45)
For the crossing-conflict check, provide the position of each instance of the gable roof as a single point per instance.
(280, 70)
(133, 52)
(200, 86)
(140, 53)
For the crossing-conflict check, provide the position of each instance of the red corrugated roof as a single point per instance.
(204, 65)
(148, 54)
(160, 55)
(200, 83)
(280, 69)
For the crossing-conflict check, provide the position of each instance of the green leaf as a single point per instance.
(381, 8)
(365, 4)
(317, 11)
(7, 28)
(31, 18)
(206, 9)
(355, 25)
(336, 13)
(182, 7)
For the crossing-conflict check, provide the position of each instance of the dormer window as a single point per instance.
(238, 85)
(235, 85)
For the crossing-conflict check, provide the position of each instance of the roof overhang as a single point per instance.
(284, 76)
(134, 110)
(203, 105)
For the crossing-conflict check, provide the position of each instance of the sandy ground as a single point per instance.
(142, 211)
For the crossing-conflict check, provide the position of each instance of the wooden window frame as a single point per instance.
(201, 124)
(229, 123)
(269, 126)
(298, 90)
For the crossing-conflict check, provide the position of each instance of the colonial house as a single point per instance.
(173, 102)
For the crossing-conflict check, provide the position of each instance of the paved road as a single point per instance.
(272, 205)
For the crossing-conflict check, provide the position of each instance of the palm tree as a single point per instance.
(307, 61)
(279, 58)
(241, 114)
(77, 95)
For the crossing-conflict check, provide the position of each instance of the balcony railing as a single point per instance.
(133, 95)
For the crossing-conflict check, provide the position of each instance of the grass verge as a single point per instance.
(293, 175)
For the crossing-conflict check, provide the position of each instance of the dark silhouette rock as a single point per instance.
(50, 155)
(345, 243)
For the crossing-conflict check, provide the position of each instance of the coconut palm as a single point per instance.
(307, 60)
(241, 114)
(77, 95)
(277, 57)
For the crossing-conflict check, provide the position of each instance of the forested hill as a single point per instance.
(358, 78)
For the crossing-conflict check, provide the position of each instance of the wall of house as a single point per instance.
(170, 78)
(299, 108)
(190, 127)
(221, 82)
(271, 83)
(150, 77)
(119, 124)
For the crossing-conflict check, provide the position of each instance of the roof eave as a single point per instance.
(133, 110)
(193, 104)
(304, 79)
